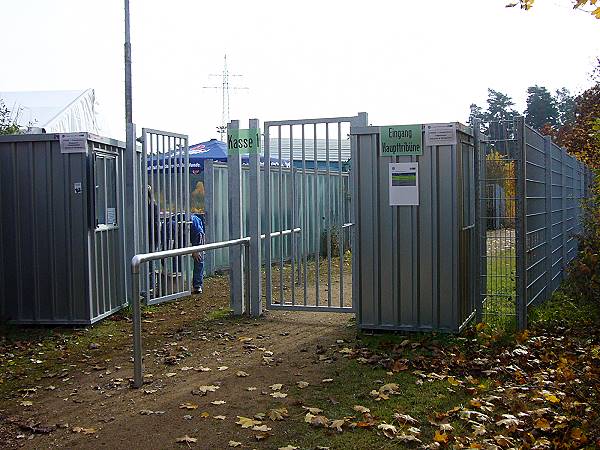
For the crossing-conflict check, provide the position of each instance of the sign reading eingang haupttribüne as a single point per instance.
(401, 140)
(243, 141)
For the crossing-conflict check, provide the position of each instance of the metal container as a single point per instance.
(61, 228)
(414, 266)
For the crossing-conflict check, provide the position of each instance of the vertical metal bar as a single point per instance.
(317, 217)
(254, 262)
(234, 178)
(186, 192)
(169, 175)
(138, 369)
(280, 212)
(340, 215)
(563, 157)
(328, 215)
(304, 233)
(159, 242)
(478, 159)
(548, 215)
(293, 216)
(209, 211)
(521, 226)
(145, 219)
(178, 220)
(267, 182)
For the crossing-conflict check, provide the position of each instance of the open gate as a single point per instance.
(165, 213)
(307, 251)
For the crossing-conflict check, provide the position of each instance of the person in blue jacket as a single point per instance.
(197, 237)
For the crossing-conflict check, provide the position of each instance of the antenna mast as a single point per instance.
(225, 87)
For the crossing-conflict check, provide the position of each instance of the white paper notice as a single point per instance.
(404, 184)
(111, 217)
(440, 134)
(73, 143)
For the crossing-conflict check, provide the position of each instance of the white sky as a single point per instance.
(401, 61)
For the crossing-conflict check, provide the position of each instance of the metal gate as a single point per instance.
(321, 279)
(165, 212)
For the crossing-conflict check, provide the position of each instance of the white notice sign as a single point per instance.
(440, 134)
(73, 143)
(404, 184)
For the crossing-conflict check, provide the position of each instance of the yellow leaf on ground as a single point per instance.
(441, 437)
(188, 405)
(542, 424)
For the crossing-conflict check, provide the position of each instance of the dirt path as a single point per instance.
(281, 348)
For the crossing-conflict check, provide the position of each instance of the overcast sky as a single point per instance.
(401, 61)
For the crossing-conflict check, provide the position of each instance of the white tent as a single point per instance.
(55, 111)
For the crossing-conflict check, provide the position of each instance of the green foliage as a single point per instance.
(8, 120)
(584, 272)
(566, 106)
(542, 108)
(499, 106)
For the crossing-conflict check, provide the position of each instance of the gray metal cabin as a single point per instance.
(414, 266)
(61, 228)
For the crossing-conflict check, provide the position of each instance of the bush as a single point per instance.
(584, 271)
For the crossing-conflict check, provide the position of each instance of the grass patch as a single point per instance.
(564, 309)
(352, 384)
(499, 307)
(219, 314)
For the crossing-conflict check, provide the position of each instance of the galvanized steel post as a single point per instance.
(209, 212)
(254, 262)
(480, 243)
(234, 178)
(548, 225)
(521, 225)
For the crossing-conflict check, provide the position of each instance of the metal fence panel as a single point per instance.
(536, 229)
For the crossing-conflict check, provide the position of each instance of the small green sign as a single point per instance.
(401, 140)
(243, 141)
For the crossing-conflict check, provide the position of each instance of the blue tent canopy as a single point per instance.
(215, 150)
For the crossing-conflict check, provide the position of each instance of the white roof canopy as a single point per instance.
(55, 111)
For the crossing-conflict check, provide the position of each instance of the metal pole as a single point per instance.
(234, 179)
(138, 370)
(478, 160)
(521, 226)
(253, 263)
(130, 175)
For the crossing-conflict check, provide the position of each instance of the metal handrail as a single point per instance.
(136, 261)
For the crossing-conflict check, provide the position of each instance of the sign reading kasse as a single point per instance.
(401, 140)
(243, 141)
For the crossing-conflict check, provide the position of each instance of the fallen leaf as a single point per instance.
(278, 395)
(442, 438)
(262, 428)
(26, 403)
(405, 419)
(235, 444)
(327, 380)
(251, 388)
(241, 373)
(288, 447)
(188, 405)
(542, 424)
(84, 430)
(220, 417)
(204, 415)
(277, 414)
(170, 374)
(186, 439)
(218, 402)
(222, 368)
(388, 430)
(202, 390)
(338, 424)
(276, 387)
(317, 421)
(313, 410)
(246, 422)
(361, 409)
(302, 384)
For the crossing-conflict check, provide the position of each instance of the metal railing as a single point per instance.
(136, 262)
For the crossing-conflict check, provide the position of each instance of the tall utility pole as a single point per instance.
(224, 87)
(132, 185)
